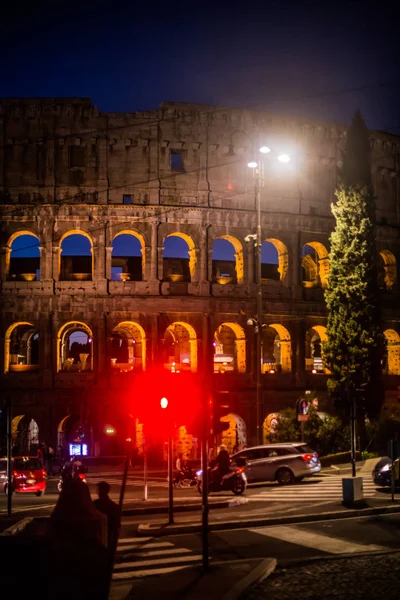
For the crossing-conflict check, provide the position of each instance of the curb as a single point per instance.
(157, 530)
(257, 575)
(160, 510)
(17, 527)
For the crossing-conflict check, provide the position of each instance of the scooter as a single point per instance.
(68, 474)
(235, 481)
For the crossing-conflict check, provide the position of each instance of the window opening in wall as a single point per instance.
(224, 262)
(179, 348)
(24, 259)
(76, 156)
(127, 199)
(76, 350)
(269, 261)
(126, 258)
(76, 258)
(176, 157)
(128, 348)
(23, 350)
(176, 259)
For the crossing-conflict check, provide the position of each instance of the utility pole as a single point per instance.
(351, 401)
(206, 395)
(9, 457)
(170, 481)
(259, 332)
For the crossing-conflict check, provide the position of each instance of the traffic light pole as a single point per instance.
(170, 483)
(207, 374)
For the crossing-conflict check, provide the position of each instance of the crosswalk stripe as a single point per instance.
(135, 547)
(165, 553)
(157, 561)
(147, 572)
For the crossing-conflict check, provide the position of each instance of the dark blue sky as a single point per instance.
(127, 56)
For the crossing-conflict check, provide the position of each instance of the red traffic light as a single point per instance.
(164, 403)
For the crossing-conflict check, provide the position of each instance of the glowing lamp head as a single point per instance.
(284, 158)
(264, 149)
(314, 371)
(252, 165)
(164, 403)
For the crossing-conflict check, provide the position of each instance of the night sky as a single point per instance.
(323, 59)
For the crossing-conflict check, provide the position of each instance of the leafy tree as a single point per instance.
(356, 346)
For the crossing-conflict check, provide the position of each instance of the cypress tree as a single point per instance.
(356, 345)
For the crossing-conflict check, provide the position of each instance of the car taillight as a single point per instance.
(15, 473)
(306, 457)
(81, 476)
(44, 473)
(240, 470)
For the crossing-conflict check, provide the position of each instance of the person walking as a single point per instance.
(50, 461)
(180, 476)
(105, 505)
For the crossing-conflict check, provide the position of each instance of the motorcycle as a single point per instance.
(235, 481)
(68, 474)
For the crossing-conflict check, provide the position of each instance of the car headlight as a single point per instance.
(386, 468)
(198, 473)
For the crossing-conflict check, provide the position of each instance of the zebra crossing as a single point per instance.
(141, 557)
(326, 488)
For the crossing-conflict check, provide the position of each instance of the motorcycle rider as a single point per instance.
(223, 463)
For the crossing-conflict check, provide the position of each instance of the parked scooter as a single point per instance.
(235, 481)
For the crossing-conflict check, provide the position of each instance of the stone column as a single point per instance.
(295, 268)
(203, 256)
(154, 252)
(56, 263)
(194, 264)
(155, 339)
(47, 348)
(108, 262)
(5, 262)
(300, 350)
(160, 262)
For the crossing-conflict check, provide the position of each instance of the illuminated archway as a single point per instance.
(234, 438)
(23, 256)
(228, 267)
(25, 435)
(282, 264)
(269, 426)
(128, 347)
(186, 444)
(21, 348)
(175, 266)
(387, 270)
(230, 348)
(72, 264)
(393, 352)
(66, 429)
(315, 338)
(127, 262)
(277, 352)
(315, 265)
(180, 347)
(75, 347)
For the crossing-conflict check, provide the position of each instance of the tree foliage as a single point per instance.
(356, 346)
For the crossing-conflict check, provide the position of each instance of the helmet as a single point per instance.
(222, 447)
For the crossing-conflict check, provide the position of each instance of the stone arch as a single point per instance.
(387, 270)
(283, 258)
(277, 352)
(315, 264)
(315, 338)
(13, 271)
(81, 362)
(184, 342)
(62, 266)
(393, 352)
(65, 430)
(239, 262)
(135, 347)
(125, 275)
(192, 263)
(234, 438)
(269, 425)
(23, 359)
(230, 354)
(25, 435)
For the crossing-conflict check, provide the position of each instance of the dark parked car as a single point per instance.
(382, 473)
(285, 463)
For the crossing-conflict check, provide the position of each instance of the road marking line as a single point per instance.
(315, 540)
(162, 552)
(137, 574)
(157, 561)
(144, 546)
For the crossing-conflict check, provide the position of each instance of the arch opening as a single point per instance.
(274, 260)
(128, 347)
(315, 338)
(179, 347)
(23, 259)
(76, 257)
(227, 260)
(277, 350)
(127, 257)
(393, 352)
(75, 347)
(179, 258)
(21, 348)
(315, 265)
(235, 437)
(229, 348)
(387, 271)
(25, 435)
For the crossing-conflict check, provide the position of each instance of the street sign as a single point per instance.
(302, 417)
(302, 409)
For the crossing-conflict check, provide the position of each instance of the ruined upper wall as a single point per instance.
(65, 150)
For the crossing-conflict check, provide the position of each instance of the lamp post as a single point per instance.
(257, 323)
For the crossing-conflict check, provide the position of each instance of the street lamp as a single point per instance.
(257, 323)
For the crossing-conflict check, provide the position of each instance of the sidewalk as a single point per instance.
(223, 580)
